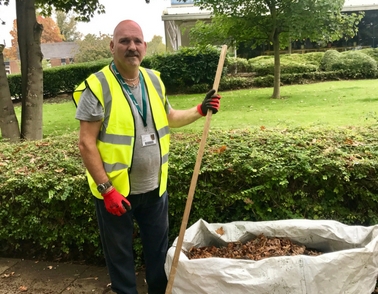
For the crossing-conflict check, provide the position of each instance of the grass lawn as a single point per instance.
(334, 104)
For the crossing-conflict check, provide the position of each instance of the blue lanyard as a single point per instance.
(130, 94)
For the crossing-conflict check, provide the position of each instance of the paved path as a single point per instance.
(41, 277)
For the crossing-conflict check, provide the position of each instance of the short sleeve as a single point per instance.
(167, 106)
(89, 108)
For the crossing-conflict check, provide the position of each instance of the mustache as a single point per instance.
(131, 54)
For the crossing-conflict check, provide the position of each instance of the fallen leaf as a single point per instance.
(221, 149)
(42, 144)
(259, 248)
(220, 231)
(349, 141)
(21, 170)
(23, 288)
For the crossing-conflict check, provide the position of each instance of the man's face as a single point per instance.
(128, 45)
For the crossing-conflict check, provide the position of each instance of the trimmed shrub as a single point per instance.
(234, 83)
(311, 77)
(237, 65)
(187, 67)
(188, 70)
(330, 57)
(46, 208)
(372, 52)
(355, 64)
(286, 68)
(191, 70)
(298, 68)
(266, 81)
(313, 58)
(15, 85)
(262, 70)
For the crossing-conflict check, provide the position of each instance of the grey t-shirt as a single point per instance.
(145, 170)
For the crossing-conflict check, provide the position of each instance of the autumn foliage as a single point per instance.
(51, 34)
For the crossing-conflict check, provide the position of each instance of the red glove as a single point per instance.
(211, 101)
(116, 203)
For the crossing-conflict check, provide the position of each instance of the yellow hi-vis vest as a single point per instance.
(116, 139)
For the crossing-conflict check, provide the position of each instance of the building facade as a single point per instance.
(181, 16)
(54, 54)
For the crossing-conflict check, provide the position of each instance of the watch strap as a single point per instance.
(104, 186)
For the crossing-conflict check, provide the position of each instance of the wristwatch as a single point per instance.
(104, 186)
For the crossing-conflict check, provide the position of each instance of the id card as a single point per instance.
(149, 139)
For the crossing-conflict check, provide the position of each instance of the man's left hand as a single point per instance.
(211, 101)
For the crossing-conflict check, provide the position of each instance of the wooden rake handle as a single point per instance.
(193, 183)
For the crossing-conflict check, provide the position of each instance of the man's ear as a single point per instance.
(112, 46)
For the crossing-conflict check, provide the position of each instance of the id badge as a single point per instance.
(149, 139)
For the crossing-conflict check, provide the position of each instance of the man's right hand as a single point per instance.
(116, 203)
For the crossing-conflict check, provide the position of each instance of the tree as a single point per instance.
(11, 52)
(155, 46)
(217, 32)
(278, 21)
(29, 38)
(8, 118)
(67, 25)
(51, 32)
(93, 47)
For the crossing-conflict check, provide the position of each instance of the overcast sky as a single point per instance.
(360, 2)
(147, 15)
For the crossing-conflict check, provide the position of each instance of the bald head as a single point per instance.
(126, 25)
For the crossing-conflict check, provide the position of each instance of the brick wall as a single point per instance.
(14, 67)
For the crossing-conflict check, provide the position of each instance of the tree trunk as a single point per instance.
(8, 119)
(277, 66)
(29, 43)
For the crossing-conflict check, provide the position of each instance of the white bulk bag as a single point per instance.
(349, 264)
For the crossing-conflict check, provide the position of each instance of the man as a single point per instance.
(124, 143)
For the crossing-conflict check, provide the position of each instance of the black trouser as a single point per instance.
(151, 213)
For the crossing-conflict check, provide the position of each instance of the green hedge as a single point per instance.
(313, 58)
(46, 208)
(329, 58)
(235, 83)
(372, 52)
(59, 79)
(237, 64)
(354, 64)
(189, 70)
(301, 78)
(192, 70)
(262, 70)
